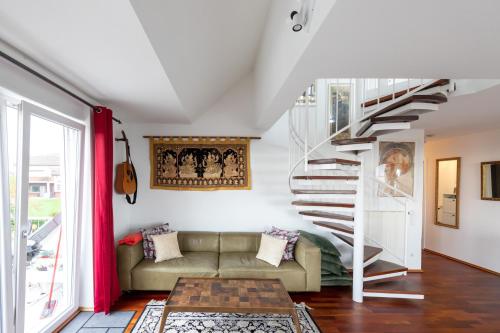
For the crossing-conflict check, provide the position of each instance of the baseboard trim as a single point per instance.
(486, 270)
(86, 309)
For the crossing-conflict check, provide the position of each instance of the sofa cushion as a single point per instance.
(291, 236)
(149, 247)
(271, 249)
(245, 265)
(148, 275)
(195, 241)
(239, 242)
(166, 247)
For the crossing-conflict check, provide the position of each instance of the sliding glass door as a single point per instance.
(45, 196)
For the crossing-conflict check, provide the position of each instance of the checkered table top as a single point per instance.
(230, 293)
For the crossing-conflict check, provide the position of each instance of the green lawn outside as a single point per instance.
(42, 207)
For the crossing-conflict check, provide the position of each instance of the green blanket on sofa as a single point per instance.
(333, 273)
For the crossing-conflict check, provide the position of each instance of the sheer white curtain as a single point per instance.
(6, 286)
(70, 202)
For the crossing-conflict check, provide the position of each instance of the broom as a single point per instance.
(51, 304)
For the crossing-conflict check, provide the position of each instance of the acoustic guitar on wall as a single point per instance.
(126, 177)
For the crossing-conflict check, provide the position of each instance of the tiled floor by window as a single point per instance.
(90, 322)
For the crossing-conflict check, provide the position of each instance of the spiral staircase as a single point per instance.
(328, 188)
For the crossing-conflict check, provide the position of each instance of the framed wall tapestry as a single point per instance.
(397, 159)
(200, 163)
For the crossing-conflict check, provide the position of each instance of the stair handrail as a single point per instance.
(295, 136)
(366, 117)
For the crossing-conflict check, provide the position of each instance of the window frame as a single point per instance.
(335, 84)
(27, 109)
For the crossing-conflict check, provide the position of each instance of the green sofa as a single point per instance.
(213, 254)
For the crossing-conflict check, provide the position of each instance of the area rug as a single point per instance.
(193, 322)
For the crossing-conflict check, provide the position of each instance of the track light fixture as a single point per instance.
(298, 21)
(301, 15)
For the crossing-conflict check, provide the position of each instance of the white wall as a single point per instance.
(265, 205)
(477, 240)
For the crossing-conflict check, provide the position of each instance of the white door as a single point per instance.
(45, 200)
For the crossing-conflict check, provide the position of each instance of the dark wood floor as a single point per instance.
(458, 299)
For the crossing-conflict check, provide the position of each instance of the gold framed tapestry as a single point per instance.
(200, 164)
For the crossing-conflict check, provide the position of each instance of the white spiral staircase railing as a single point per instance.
(326, 172)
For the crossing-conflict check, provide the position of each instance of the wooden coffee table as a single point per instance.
(229, 296)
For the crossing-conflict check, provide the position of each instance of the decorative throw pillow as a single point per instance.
(166, 246)
(271, 249)
(131, 239)
(147, 242)
(291, 236)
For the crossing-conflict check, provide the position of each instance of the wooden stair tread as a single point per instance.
(433, 99)
(389, 97)
(394, 119)
(326, 177)
(322, 204)
(368, 254)
(390, 291)
(318, 213)
(385, 120)
(347, 240)
(382, 267)
(392, 287)
(354, 141)
(371, 251)
(333, 161)
(335, 226)
(324, 191)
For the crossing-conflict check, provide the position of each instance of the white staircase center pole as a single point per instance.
(359, 240)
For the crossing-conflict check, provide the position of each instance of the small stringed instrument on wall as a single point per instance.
(126, 177)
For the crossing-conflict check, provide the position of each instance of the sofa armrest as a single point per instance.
(308, 256)
(128, 257)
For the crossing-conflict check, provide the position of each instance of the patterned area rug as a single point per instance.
(193, 322)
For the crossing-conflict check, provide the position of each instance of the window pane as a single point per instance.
(47, 293)
(340, 104)
(333, 109)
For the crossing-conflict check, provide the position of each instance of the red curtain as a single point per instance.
(106, 285)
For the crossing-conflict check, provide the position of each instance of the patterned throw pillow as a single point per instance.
(291, 236)
(147, 241)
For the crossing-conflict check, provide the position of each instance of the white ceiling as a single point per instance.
(170, 61)
(391, 38)
(98, 46)
(463, 115)
(205, 47)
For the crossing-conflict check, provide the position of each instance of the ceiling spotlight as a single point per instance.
(301, 15)
(298, 21)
